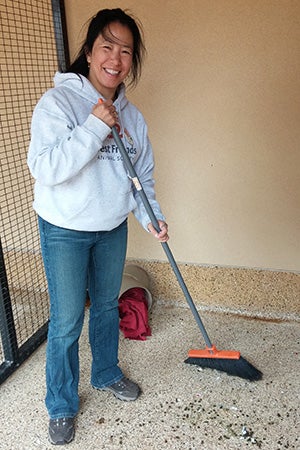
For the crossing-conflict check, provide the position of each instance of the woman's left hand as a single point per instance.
(162, 236)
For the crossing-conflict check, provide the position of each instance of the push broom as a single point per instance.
(228, 361)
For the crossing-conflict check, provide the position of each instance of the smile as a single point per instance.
(112, 72)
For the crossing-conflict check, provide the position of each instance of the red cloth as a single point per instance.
(133, 312)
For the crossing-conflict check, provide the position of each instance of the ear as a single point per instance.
(87, 55)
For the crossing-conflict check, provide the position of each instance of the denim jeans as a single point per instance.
(75, 261)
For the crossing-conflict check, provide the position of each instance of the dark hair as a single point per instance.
(99, 24)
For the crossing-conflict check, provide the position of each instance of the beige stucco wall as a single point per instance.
(221, 94)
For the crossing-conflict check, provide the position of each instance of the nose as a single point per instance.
(116, 55)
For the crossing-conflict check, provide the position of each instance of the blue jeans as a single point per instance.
(74, 262)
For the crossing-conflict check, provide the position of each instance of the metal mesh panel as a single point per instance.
(28, 62)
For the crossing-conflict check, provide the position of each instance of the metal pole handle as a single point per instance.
(154, 221)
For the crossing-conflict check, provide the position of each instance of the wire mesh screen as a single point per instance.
(28, 62)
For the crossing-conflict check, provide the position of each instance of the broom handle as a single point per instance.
(154, 221)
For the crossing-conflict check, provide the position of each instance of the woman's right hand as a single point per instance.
(106, 111)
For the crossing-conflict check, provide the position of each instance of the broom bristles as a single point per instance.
(236, 367)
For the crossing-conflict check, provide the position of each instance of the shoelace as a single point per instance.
(62, 421)
(121, 384)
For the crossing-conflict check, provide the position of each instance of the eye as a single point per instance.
(127, 52)
(106, 47)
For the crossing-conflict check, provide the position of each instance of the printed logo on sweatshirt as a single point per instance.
(110, 152)
(128, 138)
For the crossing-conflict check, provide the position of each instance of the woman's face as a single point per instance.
(110, 59)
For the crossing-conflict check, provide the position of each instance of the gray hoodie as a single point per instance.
(81, 182)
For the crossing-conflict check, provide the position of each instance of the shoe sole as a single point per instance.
(64, 442)
(60, 442)
(124, 398)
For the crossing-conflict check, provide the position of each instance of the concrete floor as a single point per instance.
(182, 406)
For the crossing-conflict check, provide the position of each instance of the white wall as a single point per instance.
(221, 94)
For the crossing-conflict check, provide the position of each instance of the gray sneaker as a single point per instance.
(61, 431)
(124, 390)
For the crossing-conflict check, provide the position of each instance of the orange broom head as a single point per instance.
(212, 352)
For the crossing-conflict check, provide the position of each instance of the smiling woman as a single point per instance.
(83, 197)
(102, 24)
(110, 59)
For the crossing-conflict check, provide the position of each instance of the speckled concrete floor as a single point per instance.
(182, 406)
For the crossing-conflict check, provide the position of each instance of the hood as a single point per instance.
(84, 88)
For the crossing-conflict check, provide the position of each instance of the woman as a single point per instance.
(83, 196)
